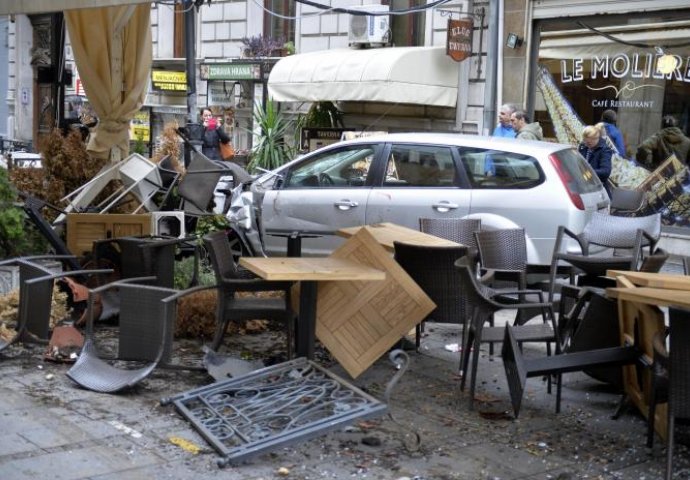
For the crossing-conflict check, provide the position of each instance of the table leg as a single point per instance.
(306, 324)
(294, 245)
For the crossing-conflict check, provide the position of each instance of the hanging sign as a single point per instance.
(459, 39)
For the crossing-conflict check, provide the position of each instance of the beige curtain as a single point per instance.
(112, 50)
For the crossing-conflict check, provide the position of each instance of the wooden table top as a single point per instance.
(660, 297)
(654, 280)
(387, 233)
(310, 268)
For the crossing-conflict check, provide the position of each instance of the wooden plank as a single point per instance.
(310, 268)
(358, 322)
(654, 280)
(651, 296)
(387, 233)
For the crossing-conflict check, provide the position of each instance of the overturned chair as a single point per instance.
(36, 284)
(518, 369)
(145, 336)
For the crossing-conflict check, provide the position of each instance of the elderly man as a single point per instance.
(525, 130)
(504, 127)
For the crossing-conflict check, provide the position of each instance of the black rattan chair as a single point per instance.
(678, 377)
(482, 305)
(659, 387)
(232, 280)
(144, 341)
(36, 284)
(622, 238)
(432, 268)
(459, 230)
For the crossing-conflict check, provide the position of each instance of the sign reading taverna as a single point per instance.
(459, 39)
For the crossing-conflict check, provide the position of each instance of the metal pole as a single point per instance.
(190, 54)
(491, 68)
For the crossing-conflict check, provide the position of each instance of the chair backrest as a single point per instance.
(35, 298)
(625, 200)
(142, 340)
(432, 268)
(460, 230)
(620, 232)
(475, 294)
(654, 262)
(140, 257)
(504, 249)
(220, 253)
(679, 362)
(198, 183)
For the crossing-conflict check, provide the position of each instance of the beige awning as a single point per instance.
(417, 75)
(44, 6)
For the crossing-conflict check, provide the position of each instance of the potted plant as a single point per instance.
(270, 150)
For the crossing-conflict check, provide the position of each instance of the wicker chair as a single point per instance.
(231, 279)
(609, 232)
(35, 297)
(678, 377)
(460, 230)
(145, 336)
(480, 299)
(431, 267)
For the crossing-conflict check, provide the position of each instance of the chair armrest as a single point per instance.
(521, 293)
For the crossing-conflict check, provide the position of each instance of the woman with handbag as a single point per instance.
(214, 137)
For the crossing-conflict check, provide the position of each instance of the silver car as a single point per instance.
(401, 177)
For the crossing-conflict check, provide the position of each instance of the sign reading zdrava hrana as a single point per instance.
(459, 39)
(169, 81)
(230, 71)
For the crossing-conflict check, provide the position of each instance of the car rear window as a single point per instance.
(500, 169)
(582, 177)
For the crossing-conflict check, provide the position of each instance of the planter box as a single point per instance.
(84, 228)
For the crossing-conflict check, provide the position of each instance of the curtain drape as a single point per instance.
(113, 52)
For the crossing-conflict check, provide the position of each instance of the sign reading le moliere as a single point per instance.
(459, 39)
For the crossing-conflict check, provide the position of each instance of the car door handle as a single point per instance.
(444, 206)
(346, 204)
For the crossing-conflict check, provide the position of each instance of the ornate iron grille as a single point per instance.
(272, 407)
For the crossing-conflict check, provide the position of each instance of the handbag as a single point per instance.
(226, 150)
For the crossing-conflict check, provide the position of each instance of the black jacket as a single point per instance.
(210, 141)
(599, 159)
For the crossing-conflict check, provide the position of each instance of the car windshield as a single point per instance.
(332, 168)
(582, 177)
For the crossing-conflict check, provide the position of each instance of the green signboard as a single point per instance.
(230, 71)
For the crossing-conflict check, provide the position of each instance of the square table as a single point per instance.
(387, 233)
(309, 271)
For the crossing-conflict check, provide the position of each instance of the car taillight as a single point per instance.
(568, 181)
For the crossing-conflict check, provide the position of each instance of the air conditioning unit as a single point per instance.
(168, 223)
(369, 30)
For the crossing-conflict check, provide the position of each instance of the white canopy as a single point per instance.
(43, 6)
(418, 75)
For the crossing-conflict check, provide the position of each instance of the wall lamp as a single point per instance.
(513, 41)
(666, 63)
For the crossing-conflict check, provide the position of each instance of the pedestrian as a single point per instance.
(597, 153)
(669, 140)
(214, 135)
(504, 127)
(609, 119)
(525, 130)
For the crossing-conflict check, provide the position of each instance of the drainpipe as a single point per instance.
(491, 69)
(194, 130)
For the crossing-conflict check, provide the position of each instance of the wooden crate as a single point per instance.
(84, 228)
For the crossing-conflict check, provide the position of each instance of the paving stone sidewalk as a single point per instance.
(50, 428)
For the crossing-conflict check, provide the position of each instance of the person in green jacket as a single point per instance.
(669, 140)
(525, 130)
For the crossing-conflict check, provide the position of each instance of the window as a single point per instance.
(407, 30)
(497, 169)
(420, 166)
(346, 167)
(276, 27)
(179, 31)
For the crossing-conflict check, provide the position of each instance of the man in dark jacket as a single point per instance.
(669, 140)
(597, 153)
